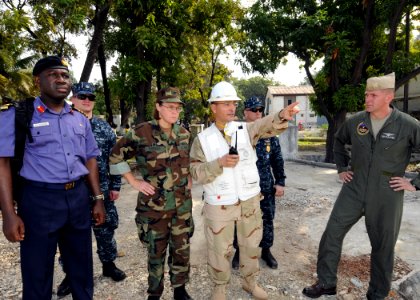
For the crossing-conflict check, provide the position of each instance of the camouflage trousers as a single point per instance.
(268, 209)
(104, 234)
(157, 230)
(219, 230)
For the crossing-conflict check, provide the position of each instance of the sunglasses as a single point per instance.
(83, 97)
(254, 110)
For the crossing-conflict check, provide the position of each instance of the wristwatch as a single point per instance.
(98, 197)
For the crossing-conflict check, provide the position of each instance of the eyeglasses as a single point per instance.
(83, 97)
(178, 109)
(254, 110)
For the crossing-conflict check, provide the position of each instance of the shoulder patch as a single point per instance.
(6, 106)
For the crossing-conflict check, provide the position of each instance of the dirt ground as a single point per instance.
(301, 217)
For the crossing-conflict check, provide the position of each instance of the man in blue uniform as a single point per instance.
(270, 162)
(55, 207)
(83, 99)
(382, 139)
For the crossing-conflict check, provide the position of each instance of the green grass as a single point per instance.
(305, 145)
(312, 139)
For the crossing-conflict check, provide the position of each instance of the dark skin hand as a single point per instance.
(13, 227)
(98, 209)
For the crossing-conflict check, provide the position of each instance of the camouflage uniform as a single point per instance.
(164, 218)
(220, 219)
(105, 137)
(270, 162)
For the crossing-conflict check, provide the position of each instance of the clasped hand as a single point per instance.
(228, 160)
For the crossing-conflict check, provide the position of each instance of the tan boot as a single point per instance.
(250, 286)
(219, 292)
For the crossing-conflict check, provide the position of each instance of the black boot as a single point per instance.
(181, 294)
(110, 270)
(153, 297)
(317, 290)
(63, 288)
(235, 260)
(269, 258)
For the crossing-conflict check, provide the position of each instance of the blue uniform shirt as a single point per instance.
(106, 139)
(63, 143)
(270, 162)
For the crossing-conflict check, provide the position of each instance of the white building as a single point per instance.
(278, 97)
(413, 97)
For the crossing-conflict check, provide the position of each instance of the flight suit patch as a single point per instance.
(362, 129)
(388, 136)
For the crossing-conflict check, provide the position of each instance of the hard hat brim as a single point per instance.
(229, 98)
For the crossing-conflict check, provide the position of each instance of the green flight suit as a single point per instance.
(373, 162)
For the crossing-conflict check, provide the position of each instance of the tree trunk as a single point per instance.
(107, 93)
(99, 21)
(125, 114)
(393, 27)
(143, 92)
(333, 125)
(366, 42)
(407, 52)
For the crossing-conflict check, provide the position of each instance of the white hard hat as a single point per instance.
(223, 91)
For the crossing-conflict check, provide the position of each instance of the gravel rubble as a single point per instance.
(301, 216)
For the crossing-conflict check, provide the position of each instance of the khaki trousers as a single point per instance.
(219, 222)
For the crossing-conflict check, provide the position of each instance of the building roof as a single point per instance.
(290, 90)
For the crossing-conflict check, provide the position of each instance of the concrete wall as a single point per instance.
(288, 142)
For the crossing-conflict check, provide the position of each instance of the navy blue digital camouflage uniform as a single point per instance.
(106, 139)
(270, 162)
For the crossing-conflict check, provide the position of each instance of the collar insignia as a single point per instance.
(40, 109)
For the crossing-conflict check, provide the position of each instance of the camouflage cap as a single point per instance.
(83, 88)
(253, 102)
(50, 62)
(169, 95)
(381, 82)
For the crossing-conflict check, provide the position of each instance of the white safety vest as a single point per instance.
(241, 182)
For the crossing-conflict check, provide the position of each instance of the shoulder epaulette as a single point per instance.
(6, 106)
(78, 110)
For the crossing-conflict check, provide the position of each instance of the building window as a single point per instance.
(302, 115)
(312, 115)
(289, 101)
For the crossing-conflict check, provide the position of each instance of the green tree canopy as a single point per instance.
(355, 40)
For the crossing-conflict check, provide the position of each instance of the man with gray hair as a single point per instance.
(382, 139)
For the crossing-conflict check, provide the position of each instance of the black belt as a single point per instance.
(55, 186)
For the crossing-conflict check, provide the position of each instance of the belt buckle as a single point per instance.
(69, 185)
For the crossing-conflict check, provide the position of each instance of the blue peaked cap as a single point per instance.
(253, 102)
(83, 88)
